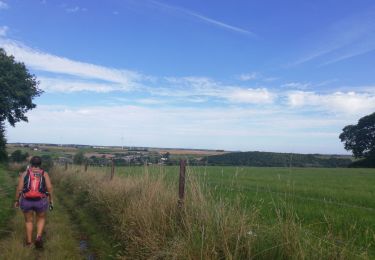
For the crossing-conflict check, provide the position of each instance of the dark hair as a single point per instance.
(36, 161)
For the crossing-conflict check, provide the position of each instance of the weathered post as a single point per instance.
(86, 165)
(66, 166)
(112, 168)
(181, 188)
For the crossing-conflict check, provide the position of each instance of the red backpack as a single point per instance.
(34, 184)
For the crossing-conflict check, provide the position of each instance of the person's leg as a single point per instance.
(40, 223)
(29, 225)
(41, 209)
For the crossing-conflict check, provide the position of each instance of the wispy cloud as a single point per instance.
(206, 87)
(296, 85)
(347, 38)
(203, 18)
(75, 9)
(42, 61)
(69, 85)
(252, 76)
(248, 76)
(356, 50)
(3, 31)
(3, 5)
(88, 75)
(66, 75)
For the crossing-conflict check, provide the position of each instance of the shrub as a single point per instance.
(18, 156)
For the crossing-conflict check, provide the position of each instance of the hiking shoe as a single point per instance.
(39, 242)
(28, 244)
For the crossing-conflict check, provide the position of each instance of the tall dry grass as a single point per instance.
(142, 214)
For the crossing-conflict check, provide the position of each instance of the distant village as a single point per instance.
(121, 156)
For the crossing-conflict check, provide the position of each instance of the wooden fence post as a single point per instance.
(112, 168)
(181, 188)
(66, 166)
(86, 165)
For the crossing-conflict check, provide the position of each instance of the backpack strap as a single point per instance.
(42, 181)
(26, 181)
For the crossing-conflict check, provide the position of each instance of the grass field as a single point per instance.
(327, 202)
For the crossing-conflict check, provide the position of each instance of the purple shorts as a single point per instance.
(38, 206)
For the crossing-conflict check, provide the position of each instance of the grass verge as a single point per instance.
(7, 189)
(141, 213)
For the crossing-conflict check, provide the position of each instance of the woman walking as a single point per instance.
(34, 194)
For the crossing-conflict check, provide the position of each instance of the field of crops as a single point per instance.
(338, 202)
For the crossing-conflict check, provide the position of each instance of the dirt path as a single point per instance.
(61, 241)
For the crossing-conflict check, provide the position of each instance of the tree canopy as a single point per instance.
(360, 138)
(18, 87)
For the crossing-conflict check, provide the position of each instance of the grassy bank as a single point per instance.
(7, 190)
(140, 211)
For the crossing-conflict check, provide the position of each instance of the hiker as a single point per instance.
(34, 194)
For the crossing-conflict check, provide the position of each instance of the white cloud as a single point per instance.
(3, 31)
(250, 96)
(69, 85)
(150, 101)
(51, 63)
(256, 76)
(206, 87)
(125, 80)
(3, 5)
(90, 77)
(192, 88)
(248, 76)
(338, 102)
(75, 9)
(296, 85)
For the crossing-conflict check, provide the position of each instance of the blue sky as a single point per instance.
(282, 76)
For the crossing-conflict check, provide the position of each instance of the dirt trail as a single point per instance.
(60, 240)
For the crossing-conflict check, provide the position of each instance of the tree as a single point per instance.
(3, 153)
(360, 138)
(17, 89)
(18, 156)
(79, 158)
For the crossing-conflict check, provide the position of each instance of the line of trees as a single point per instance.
(267, 159)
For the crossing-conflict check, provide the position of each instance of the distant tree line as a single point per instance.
(268, 159)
